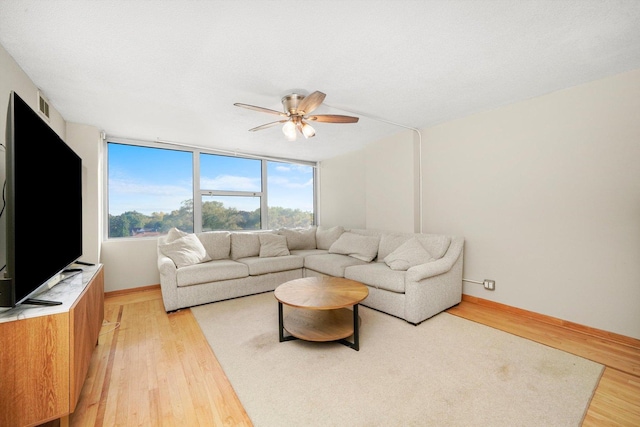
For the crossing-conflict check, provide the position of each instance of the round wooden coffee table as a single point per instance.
(319, 309)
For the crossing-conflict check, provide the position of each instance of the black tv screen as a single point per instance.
(43, 203)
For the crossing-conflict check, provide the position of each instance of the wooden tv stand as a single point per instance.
(45, 351)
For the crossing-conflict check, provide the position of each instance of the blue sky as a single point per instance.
(158, 180)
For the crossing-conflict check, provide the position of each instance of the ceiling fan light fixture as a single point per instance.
(289, 130)
(307, 130)
(297, 110)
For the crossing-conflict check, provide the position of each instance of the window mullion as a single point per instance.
(197, 201)
(264, 205)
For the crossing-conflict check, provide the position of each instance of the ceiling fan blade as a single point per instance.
(311, 102)
(262, 109)
(333, 118)
(267, 125)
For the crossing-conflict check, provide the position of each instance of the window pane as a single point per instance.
(150, 190)
(230, 213)
(230, 173)
(290, 195)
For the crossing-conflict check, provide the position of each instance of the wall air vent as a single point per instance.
(43, 105)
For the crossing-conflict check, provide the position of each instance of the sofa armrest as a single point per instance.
(430, 269)
(440, 266)
(168, 282)
(166, 266)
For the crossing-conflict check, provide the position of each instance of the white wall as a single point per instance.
(342, 199)
(547, 195)
(372, 188)
(391, 193)
(84, 140)
(129, 263)
(87, 143)
(13, 78)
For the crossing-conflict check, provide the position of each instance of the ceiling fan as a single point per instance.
(297, 115)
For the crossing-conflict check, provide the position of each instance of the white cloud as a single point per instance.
(230, 183)
(286, 183)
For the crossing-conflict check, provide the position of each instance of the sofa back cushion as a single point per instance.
(244, 244)
(358, 246)
(326, 236)
(272, 245)
(389, 242)
(407, 255)
(436, 244)
(299, 238)
(217, 243)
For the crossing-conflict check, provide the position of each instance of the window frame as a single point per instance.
(196, 151)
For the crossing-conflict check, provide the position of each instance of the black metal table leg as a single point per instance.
(280, 321)
(356, 337)
(281, 326)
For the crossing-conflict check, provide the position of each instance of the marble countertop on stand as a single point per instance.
(66, 291)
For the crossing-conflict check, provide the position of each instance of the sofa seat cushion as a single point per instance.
(378, 275)
(258, 265)
(212, 271)
(306, 252)
(331, 264)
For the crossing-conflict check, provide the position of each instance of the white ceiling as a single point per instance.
(171, 70)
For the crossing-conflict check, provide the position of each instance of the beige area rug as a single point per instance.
(447, 371)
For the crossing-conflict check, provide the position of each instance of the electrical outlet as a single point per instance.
(489, 284)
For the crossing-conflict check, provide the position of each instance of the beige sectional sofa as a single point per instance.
(412, 276)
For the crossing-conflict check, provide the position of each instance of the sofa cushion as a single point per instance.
(299, 238)
(326, 236)
(378, 275)
(272, 245)
(184, 251)
(331, 264)
(174, 234)
(244, 244)
(436, 244)
(306, 252)
(217, 243)
(362, 247)
(211, 271)
(258, 266)
(389, 242)
(407, 255)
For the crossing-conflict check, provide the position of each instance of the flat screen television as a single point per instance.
(42, 204)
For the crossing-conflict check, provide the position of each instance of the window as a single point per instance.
(290, 188)
(150, 190)
(231, 189)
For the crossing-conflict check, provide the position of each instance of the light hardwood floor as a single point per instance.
(157, 368)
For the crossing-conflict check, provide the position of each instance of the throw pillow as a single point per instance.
(407, 255)
(273, 245)
(325, 237)
(436, 244)
(299, 238)
(355, 245)
(186, 250)
(175, 234)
